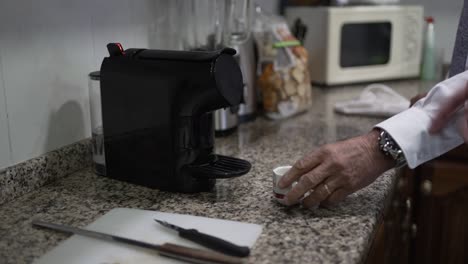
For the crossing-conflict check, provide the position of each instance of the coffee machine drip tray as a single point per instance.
(220, 167)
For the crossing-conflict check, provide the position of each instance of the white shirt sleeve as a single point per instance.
(410, 128)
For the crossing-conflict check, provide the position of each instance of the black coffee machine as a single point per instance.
(157, 116)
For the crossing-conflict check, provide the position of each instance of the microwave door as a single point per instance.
(365, 44)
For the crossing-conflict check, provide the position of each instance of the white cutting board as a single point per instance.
(139, 224)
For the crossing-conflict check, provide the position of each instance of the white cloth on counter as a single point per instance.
(375, 100)
(410, 129)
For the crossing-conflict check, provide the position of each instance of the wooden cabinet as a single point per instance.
(441, 213)
(391, 242)
(427, 218)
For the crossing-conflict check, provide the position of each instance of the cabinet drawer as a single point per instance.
(441, 177)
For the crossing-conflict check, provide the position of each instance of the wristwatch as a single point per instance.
(390, 148)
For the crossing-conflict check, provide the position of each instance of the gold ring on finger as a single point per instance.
(327, 188)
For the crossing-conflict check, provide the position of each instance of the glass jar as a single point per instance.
(201, 25)
(99, 160)
(284, 78)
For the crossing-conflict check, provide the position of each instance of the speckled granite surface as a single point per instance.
(34, 173)
(340, 234)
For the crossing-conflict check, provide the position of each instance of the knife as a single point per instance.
(167, 249)
(208, 241)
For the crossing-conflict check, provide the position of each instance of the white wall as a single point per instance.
(4, 136)
(47, 48)
(446, 14)
(268, 6)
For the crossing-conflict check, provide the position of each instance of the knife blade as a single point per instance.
(167, 249)
(208, 241)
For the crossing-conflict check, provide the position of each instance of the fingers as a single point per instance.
(464, 131)
(302, 166)
(336, 197)
(306, 183)
(416, 98)
(322, 192)
(463, 126)
(447, 109)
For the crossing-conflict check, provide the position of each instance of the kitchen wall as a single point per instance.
(47, 48)
(446, 14)
(269, 6)
(4, 132)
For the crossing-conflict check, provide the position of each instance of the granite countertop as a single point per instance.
(340, 234)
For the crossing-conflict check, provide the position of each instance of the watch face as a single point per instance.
(390, 148)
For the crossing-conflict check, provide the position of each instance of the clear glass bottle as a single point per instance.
(428, 67)
(99, 160)
(201, 25)
(237, 22)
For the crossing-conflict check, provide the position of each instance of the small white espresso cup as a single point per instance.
(278, 173)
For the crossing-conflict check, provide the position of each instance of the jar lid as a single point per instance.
(95, 75)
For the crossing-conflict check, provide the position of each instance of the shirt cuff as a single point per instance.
(410, 128)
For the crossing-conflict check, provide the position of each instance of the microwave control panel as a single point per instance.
(413, 34)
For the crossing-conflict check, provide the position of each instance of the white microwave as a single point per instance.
(361, 43)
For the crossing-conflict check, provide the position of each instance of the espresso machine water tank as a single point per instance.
(246, 60)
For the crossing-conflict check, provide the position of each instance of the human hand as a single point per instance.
(336, 170)
(416, 98)
(458, 100)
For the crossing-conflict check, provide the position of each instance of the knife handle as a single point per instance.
(215, 243)
(194, 255)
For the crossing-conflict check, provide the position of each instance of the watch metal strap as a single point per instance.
(390, 148)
